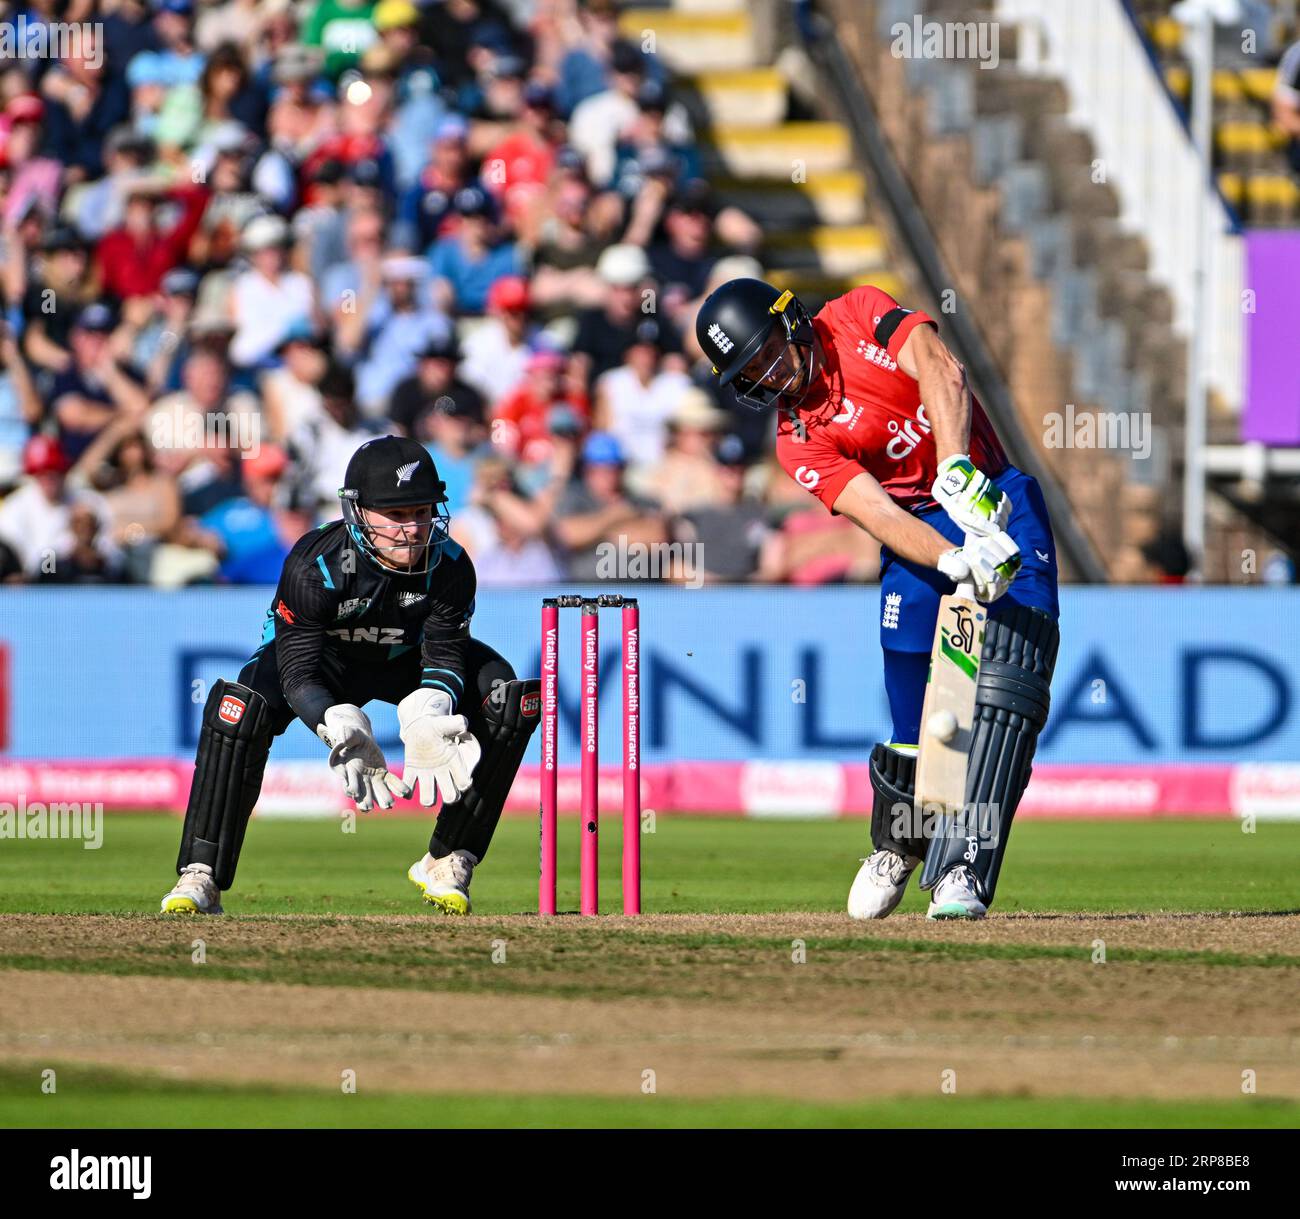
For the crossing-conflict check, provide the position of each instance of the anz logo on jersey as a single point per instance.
(905, 436)
(370, 634)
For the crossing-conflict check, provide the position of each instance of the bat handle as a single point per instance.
(966, 589)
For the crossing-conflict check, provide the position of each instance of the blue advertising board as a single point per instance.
(1144, 675)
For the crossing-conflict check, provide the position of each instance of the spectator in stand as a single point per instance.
(55, 298)
(351, 289)
(731, 538)
(601, 119)
(134, 258)
(128, 30)
(178, 58)
(496, 351)
(291, 394)
(249, 533)
(268, 298)
(34, 179)
(143, 503)
(520, 419)
(156, 341)
(634, 401)
(233, 202)
(93, 389)
(582, 53)
(398, 331)
(686, 477)
(84, 102)
(681, 261)
(36, 521)
(434, 384)
(20, 406)
(320, 226)
(419, 108)
(605, 333)
(452, 430)
(425, 211)
(598, 508)
(87, 559)
(323, 443)
(194, 428)
(345, 29)
(147, 83)
(575, 227)
(503, 532)
(645, 152)
(599, 122)
(100, 205)
(467, 264)
(517, 167)
(299, 118)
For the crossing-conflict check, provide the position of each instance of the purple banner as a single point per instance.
(1272, 414)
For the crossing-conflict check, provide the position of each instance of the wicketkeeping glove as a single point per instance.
(990, 564)
(357, 759)
(970, 498)
(441, 752)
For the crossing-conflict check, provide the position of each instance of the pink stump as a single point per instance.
(550, 760)
(631, 759)
(589, 798)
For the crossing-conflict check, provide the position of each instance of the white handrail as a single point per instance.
(1149, 158)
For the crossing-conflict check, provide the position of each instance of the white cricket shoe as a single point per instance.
(195, 893)
(445, 882)
(880, 884)
(955, 896)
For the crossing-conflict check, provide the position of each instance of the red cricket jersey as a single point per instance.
(863, 412)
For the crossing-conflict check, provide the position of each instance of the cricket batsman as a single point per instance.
(878, 422)
(374, 606)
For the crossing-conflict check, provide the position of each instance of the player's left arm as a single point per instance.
(441, 752)
(968, 495)
(941, 378)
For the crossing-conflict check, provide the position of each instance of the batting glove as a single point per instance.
(441, 752)
(989, 563)
(970, 498)
(357, 760)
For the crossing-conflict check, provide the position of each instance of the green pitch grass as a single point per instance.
(690, 865)
(100, 1099)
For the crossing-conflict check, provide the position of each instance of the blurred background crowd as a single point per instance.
(240, 237)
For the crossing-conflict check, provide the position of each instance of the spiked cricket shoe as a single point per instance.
(195, 893)
(444, 882)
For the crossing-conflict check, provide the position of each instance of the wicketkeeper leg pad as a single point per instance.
(1012, 697)
(509, 717)
(894, 823)
(234, 743)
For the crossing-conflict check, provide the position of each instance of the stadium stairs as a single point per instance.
(738, 67)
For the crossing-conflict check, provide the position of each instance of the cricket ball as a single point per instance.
(942, 725)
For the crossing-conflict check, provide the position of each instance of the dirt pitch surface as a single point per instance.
(806, 1005)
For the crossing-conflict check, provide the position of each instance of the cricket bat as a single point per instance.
(948, 714)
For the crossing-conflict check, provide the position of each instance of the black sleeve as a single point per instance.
(304, 607)
(446, 632)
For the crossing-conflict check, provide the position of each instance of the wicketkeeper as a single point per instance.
(374, 606)
(877, 421)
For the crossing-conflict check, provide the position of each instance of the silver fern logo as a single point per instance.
(404, 472)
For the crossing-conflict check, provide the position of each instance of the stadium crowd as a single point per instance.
(239, 237)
